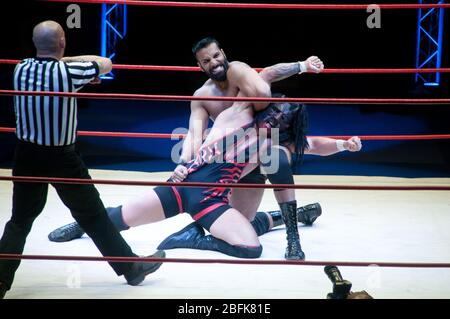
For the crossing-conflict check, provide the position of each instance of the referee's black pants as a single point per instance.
(82, 200)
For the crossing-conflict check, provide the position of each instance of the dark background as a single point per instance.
(259, 37)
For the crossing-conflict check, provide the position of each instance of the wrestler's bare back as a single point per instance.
(231, 119)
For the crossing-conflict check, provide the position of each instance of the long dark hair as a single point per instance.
(297, 116)
(299, 130)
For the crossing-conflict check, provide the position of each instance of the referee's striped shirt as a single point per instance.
(49, 120)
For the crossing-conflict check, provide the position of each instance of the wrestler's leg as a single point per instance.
(279, 172)
(282, 175)
(231, 234)
(263, 222)
(143, 210)
(285, 197)
(234, 228)
(239, 199)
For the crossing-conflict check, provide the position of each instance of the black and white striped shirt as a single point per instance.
(49, 120)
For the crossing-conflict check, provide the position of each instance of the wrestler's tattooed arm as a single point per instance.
(279, 71)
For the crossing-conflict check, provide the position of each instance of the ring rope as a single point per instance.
(60, 180)
(115, 134)
(328, 70)
(227, 261)
(180, 136)
(257, 262)
(150, 97)
(258, 5)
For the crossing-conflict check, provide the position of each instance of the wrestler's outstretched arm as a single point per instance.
(325, 146)
(282, 71)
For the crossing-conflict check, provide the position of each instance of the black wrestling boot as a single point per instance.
(185, 238)
(193, 236)
(66, 233)
(73, 230)
(309, 213)
(277, 219)
(305, 214)
(289, 214)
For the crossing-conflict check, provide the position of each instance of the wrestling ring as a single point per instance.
(389, 235)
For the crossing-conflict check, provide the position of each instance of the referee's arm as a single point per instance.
(104, 64)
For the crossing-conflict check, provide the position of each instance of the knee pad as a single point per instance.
(247, 251)
(254, 177)
(261, 223)
(283, 173)
(115, 214)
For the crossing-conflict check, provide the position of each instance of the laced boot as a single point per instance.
(305, 214)
(289, 214)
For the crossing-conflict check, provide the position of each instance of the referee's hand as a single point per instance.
(97, 80)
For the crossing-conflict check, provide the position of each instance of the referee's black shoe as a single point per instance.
(141, 269)
(3, 290)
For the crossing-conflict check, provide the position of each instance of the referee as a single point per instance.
(46, 132)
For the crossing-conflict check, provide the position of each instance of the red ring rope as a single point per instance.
(228, 261)
(328, 70)
(260, 262)
(257, 5)
(179, 136)
(125, 96)
(33, 179)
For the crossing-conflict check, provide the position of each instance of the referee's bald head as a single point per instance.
(48, 37)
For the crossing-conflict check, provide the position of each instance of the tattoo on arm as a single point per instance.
(280, 71)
